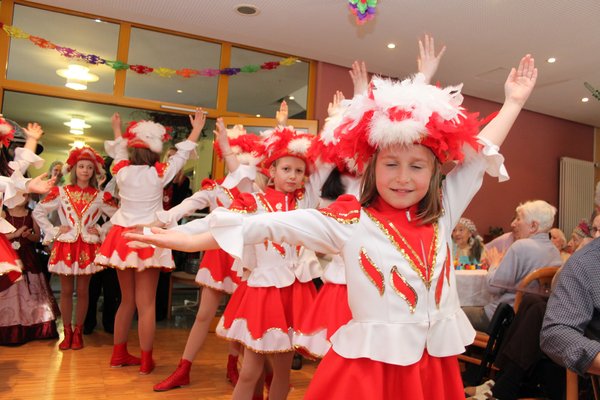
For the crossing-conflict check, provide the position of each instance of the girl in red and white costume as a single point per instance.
(407, 325)
(140, 178)
(330, 310)
(13, 185)
(240, 151)
(76, 240)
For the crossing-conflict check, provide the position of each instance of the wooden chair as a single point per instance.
(542, 275)
(186, 279)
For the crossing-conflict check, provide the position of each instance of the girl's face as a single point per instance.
(57, 171)
(403, 173)
(461, 235)
(288, 173)
(84, 170)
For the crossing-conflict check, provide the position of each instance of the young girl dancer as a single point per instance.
(140, 178)
(215, 274)
(407, 325)
(28, 307)
(13, 186)
(76, 240)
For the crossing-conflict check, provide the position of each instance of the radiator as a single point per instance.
(576, 197)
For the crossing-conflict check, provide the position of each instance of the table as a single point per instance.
(471, 287)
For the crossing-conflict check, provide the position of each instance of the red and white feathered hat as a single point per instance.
(83, 153)
(248, 148)
(286, 141)
(7, 132)
(147, 135)
(402, 112)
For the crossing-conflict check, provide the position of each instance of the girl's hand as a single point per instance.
(93, 230)
(221, 135)
(282, 115)
(33, 131)
(115, 122)
(520, 81)
(360, 77)
(335, 103)
(64, 229)
(39, 185)
(427, 61)
(197, 121)
(26, 232)
(159, 238)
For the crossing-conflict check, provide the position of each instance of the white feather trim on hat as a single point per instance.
(299, 146)
(252, 159)
(150, 133)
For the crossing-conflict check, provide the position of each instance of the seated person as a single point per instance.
(467, 245)
(532, 249)
(558, 239)
(571, 330)
(581, 236)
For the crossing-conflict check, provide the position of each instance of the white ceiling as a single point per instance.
(484, 38)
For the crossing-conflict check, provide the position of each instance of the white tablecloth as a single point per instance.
(472, 291)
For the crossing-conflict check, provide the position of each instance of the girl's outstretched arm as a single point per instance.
(518, 87)
(360, 77)
(176, 240)
(231, 161)
(33, 132)
(115, 122)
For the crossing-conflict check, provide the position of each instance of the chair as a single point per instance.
(185, 278)
(543, 275)
(490, 342)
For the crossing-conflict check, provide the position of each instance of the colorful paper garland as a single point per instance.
(163, 72)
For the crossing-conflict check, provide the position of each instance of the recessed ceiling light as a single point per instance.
(98, 20)
(585, 100)
(179, 91)
(257, 115)
(247, 9)
(391, 46)
(291, 97)
(551, 60)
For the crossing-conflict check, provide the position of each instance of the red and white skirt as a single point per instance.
(10, 265)
(116, 253)
(75, 258)
(264, 318)
(215, 272)
(328, 313)
(339, 378)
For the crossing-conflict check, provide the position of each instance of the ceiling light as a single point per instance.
(77, 76)
(247, 9)
(77, 125)
(98, 20)
(179, 91)
(391, 46)
(78, 144)
(291, 97)
(257, 115)
(551, 60)
(585, 100)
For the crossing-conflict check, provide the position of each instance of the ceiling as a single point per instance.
(484, 38)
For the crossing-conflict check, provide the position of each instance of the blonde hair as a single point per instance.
(430, 207)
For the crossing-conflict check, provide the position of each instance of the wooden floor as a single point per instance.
(38, 370)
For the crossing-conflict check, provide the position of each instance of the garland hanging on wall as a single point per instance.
(164, 72)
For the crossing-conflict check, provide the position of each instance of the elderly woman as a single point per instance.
(580, 237)
(468, 245)
(558, 239)
(533, 250)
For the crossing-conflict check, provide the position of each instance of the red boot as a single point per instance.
(179, 378)
(232, 369)
(147, 364)
(121, 357)
(77, 342)
(66, 343)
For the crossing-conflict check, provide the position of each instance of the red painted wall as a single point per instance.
(532, 151)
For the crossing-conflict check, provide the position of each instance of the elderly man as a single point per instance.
(532, 249)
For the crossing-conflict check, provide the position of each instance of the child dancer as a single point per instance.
(140, 178)
(215, 274)
(407, 325)
(28, 306)
(13, 186)
(80, 205)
